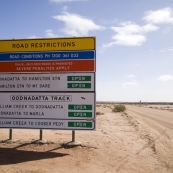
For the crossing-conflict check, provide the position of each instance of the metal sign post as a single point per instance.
(10, 134)
(41, 134)
(73, 136)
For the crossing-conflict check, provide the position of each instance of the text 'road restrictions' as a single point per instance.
(48, 82)
(47, 124)
(48, 44)
(47, 105)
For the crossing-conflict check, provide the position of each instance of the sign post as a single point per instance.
(10, 134)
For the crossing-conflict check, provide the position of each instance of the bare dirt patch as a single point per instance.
(121, 144)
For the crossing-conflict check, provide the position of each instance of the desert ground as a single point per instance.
(139, 140)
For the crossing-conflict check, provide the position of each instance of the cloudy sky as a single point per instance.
(134, 40)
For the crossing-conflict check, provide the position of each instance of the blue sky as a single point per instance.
(134, 40)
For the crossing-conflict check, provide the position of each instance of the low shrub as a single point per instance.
(99, 113)
(119, 108)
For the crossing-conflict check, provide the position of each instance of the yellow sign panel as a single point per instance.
(48, 44)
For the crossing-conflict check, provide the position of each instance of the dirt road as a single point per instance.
(154, 114)
(122, 143)
(158, 120)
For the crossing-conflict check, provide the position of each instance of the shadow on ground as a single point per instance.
(16, 155)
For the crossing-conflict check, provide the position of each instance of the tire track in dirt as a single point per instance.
(160, 142)
(139, 129)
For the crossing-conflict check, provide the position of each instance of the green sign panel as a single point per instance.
(80, 107)
(79, 85)
(78, 78)
(80, 124)
(80, 114)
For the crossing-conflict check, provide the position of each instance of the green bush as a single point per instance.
(119, 108)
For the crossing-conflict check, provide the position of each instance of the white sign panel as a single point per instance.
(47, 105)
(39, 82)
(48, 124)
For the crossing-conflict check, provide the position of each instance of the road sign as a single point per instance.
(48, 83)
(70, 108)
(48, 66)
(39, 82)
(47, 56)
(39, 105)
(48, 44)
(48, 124)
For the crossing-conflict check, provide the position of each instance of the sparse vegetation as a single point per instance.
(124, 114)
(99, 113)
(98, 105)
(119, 108)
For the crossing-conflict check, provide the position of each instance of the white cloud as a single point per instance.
(60, 1)
(50, 34)
(130, 34)
(132, 28)
(32, 36)
(49, 30)
(170, 49)
(130, 76)
(129, 84)
(129, 39)
(161, 16)
(65, 8)
(165, 78)
(109, 22)
(76, 25)
(162, 50)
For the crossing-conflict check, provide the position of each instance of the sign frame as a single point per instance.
(69, 65)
